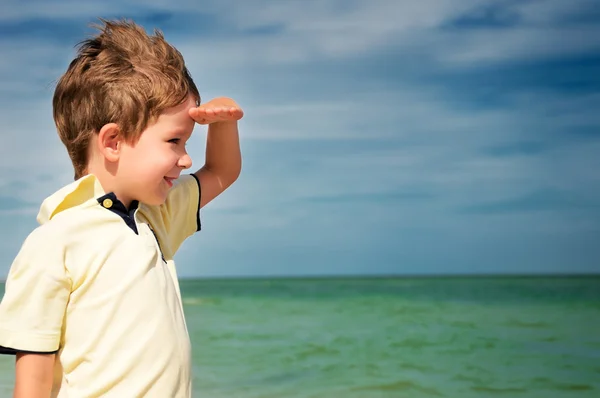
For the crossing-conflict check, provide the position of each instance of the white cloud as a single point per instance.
(319, 30)
(308, 31)
(28, 211)
(493, 46)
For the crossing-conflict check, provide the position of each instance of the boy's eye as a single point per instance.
(174, 140)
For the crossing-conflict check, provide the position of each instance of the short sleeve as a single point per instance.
(179, 217)
(36, 294)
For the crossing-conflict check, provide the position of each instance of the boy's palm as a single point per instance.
(221, 109)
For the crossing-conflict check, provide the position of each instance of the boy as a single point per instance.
(92, 304)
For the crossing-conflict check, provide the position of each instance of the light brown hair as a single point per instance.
(122, 75)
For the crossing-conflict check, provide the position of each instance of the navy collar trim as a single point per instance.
(110, 202)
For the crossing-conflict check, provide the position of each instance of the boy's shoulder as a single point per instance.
(72, 224)
(61, 231)
(46, 244)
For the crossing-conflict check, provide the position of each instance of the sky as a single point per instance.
(379, 137)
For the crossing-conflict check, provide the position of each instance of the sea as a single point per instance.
(456, 337)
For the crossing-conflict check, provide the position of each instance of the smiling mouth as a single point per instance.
(169, 181)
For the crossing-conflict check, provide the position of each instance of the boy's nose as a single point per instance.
(185, 162)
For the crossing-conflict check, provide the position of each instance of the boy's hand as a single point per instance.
(220, 109)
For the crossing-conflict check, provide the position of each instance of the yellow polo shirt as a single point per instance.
(96, 283)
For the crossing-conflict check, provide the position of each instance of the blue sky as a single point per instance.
(380, 137)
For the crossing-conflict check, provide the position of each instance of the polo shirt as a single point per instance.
(96, 284)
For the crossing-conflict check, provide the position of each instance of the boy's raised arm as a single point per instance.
(223, 157)
(33, 375)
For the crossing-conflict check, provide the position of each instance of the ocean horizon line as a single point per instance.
(397, 276)
(541, 275)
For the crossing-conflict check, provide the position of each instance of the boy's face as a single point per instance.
(148, 168)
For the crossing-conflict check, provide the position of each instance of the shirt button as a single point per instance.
(107, 203)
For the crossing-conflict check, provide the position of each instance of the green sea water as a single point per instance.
(391, 337)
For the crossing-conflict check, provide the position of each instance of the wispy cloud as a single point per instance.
(11, 204)
(371, 197)
(541, 200)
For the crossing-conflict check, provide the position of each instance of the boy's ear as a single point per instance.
(109, 141)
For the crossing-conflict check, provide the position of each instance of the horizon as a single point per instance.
(382, 137)
(390, 277)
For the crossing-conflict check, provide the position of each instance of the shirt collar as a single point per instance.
(110, 202)
(77, 193)
(72, 195)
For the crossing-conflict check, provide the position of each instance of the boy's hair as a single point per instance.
(122, 76)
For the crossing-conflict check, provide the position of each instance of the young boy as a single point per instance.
(92, 306)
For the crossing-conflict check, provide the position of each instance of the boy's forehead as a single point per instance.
(179, 114)
(178, 117)
(184, 107)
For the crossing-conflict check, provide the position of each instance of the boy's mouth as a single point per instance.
(169, 181)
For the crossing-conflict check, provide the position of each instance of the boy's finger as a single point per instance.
(197, 112)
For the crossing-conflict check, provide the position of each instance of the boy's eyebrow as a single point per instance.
(179, 132)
